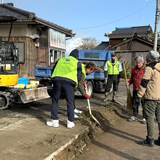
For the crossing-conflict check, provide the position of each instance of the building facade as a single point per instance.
(130, 42)
(40, 43)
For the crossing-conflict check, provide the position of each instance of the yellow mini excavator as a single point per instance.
(9, 74)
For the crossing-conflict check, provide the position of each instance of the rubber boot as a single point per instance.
(157, 141)
(106, 96)
(148, 142)
(114, 96)
(151, 142)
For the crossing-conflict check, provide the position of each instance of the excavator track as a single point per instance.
(6, 100)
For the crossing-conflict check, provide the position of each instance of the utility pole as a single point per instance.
(156, 27)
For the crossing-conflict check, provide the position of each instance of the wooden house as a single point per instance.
(130, 42)
(40, 42)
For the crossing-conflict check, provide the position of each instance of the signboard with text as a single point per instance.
(57, 39)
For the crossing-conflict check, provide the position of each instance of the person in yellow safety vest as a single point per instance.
(68, 73)
(112, 70)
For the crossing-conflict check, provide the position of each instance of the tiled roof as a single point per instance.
(102, 46)
(8, 9)
(131, 31)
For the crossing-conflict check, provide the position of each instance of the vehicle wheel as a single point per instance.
(90, 88)
(6, 100)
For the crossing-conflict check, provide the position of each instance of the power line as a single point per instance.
(115, 20)
(136, 27)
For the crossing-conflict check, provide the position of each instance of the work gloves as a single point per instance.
(127, 84)
(87, 96)
(85, 84)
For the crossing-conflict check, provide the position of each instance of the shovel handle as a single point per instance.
(89, 107)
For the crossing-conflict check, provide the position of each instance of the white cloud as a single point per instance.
(72, 44)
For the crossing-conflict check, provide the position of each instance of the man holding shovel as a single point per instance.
(68, 73)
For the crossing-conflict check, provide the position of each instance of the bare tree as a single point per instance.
(88, 44)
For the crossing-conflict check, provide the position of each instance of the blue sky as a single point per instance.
(91, 18)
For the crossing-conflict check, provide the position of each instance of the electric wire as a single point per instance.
(137, 25)
(114, 20)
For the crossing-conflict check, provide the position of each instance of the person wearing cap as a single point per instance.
(150, 90)
(112, 70)
(136, 78)
(68, 73)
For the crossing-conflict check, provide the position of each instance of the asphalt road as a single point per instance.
(120, 143)
(42, 108)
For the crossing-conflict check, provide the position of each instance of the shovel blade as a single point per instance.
(30, 95)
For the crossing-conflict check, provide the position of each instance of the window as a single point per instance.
(21, 48)
(63, 54)
(91, 55)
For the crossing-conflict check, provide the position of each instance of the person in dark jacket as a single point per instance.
(68, 73)
(112, 70)
(136, 78)
(150, 90)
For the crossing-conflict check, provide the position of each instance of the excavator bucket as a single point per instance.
(30, 95)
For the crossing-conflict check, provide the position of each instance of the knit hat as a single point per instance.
(113, 54)
(74, 53)
(152, 55)
(139, 59)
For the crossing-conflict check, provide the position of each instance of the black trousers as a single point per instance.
(136, 102)
(112, 79)
(68, 89)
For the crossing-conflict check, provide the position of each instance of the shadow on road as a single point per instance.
(122, 154)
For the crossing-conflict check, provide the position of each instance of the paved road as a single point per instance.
(41, 109)
(120, 144)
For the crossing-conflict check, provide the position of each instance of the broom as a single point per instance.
(129, 96)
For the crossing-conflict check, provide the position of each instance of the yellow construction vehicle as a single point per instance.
(9, 56)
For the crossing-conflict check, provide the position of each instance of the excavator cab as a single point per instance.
(8, 57)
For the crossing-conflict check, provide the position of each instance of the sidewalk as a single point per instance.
(31, 139)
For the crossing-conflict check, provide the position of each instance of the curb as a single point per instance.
(54, 154)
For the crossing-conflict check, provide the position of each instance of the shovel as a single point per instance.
(89, 107)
